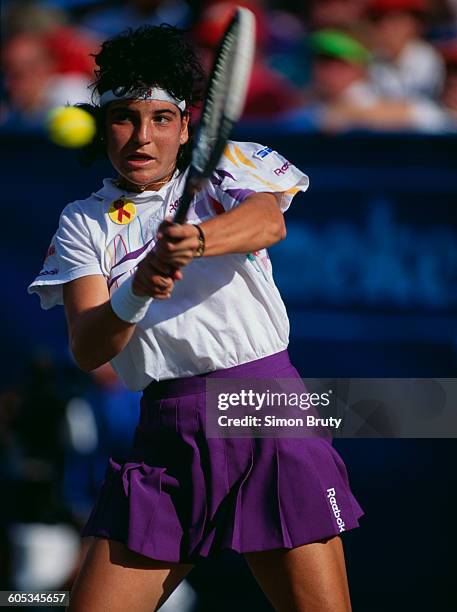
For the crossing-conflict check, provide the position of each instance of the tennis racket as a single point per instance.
(224, 103)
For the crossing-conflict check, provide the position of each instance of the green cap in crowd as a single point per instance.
(339, 45)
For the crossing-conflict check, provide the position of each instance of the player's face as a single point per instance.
(143, 138)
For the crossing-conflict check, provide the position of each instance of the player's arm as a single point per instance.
(96, 333)
(254, 224)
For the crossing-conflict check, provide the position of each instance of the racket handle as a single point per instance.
(183, 207)
(194, 184)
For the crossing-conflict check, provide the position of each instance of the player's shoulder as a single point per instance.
(253, 150)
(91, 207)
(249, 156)
(240, 158)
(260, 168)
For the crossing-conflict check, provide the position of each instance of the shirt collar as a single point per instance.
(110, 191)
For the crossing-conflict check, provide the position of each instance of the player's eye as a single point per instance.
(162, 120)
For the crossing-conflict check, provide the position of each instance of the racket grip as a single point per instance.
(183, 207)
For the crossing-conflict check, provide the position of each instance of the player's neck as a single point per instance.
(126, 185)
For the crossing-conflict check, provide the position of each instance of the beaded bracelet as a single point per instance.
(201, 242)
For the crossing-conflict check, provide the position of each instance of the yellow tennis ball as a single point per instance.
(72, 127)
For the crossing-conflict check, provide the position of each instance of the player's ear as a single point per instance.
(184, 135)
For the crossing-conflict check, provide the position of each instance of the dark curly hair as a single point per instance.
(157, 56)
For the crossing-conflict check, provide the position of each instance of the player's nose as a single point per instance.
(143, 132)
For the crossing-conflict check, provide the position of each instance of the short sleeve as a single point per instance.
(70, 255)
(248, 167)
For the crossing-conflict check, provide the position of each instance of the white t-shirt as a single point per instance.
(417, 72)
(226, 311)
(425, 115)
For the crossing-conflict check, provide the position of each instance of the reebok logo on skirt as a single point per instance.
(336, 511)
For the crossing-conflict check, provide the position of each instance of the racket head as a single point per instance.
(224, 102)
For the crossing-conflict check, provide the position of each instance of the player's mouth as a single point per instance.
(139, 160)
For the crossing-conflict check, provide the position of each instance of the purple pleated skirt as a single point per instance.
(181, 496)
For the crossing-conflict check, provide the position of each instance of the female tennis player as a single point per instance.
(170, 306)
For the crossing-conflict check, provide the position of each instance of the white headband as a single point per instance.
(142, 93)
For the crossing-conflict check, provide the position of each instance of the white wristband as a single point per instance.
(127, 306)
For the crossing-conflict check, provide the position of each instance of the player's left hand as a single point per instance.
(176, 244)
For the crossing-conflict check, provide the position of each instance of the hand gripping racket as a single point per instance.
(224, 102)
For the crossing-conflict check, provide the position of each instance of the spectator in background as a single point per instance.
(110, 20)
(70, 47)
(449, 95)
(340, 73)
(29, 16)
(345, 14)
(452, 7)
(72, 52)
(284, 47)
(342, 97)
(406, 66)
(33, 84)
(269, 92)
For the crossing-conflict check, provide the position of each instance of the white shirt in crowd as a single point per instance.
(417, 72)
(424, 114)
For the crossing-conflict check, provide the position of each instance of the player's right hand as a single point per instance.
(149, 280)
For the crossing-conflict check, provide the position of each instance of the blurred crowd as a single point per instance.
(321, 65)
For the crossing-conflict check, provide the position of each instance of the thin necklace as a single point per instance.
(121, 183)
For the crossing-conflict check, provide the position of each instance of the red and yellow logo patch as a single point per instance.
(122, 211)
